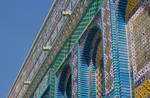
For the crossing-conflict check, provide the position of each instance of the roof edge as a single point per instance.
(31, 49)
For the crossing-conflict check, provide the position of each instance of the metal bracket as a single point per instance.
(47, 48)
(66, 13)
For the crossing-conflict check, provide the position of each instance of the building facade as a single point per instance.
(89, 49)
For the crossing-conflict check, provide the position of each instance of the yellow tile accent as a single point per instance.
(131, 4)
(143, 90)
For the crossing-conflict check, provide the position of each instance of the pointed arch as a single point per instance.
(90, 70)
(64, 83)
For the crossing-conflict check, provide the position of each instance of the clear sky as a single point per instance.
(20, 20)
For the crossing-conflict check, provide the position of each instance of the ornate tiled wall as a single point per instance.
(74, 62)
(102, 49)
(89, 77)
(138, 32)
(107, 48)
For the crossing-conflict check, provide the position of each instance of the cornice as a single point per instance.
(30, 53)
(67, 30)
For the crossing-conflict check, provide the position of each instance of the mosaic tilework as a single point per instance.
(74, 63)
(42, 86)
(131, 5)
(86, 71)
(64, 82)
(107, 48)
(143, 91)
(90, 47)
(83, 73)
(95, 65)
(98, 71)
(138, 32)
(120, 53)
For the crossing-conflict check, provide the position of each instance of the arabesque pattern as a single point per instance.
(97, 49)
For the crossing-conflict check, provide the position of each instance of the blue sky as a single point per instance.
(20, 20)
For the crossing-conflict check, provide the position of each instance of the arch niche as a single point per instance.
(91, 80)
